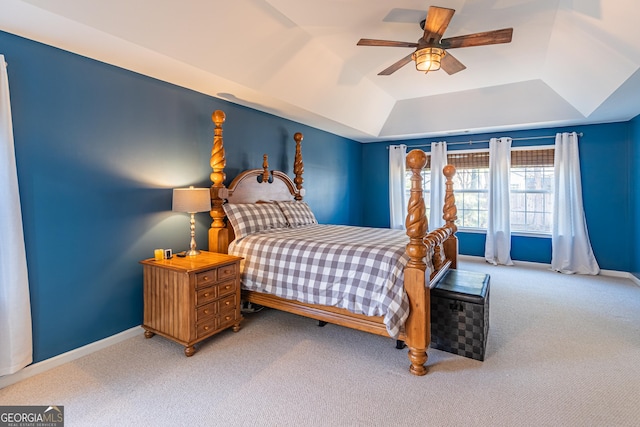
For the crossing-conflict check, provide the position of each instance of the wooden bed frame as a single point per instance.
(439, 247)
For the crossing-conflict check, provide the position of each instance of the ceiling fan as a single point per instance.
(431, 53)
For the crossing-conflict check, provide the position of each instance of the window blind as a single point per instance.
(475, 160)
(522, 158)
(480, 159)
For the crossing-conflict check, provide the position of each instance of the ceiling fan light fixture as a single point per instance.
(428, 58)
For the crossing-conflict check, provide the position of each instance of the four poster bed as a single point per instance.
(373, 280)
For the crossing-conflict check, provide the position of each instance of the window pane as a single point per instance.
(548, 201)
(517, 202)
(531, 199)
(483, 201)
(535, 202)
(518, 220)
(470, 202)
(538, 221)
(483, 218)
(548, 220)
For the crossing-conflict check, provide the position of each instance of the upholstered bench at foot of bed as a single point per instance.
(460, 313)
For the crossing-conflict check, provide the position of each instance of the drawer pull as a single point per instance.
(205, 278)
(227, 318)
(206, 311)
(206, 294)
(227, 302)
(228, 287)
(206, 328)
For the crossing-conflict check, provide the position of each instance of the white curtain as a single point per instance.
(498, 244)
(397, 195)
(438, 162)
(571, 250)
(15, 309)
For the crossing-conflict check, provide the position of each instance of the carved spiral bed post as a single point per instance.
(218, 234)
(298, 167)
(417, 327)
(450, 215)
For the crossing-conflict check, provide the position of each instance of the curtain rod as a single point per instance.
(471, 142)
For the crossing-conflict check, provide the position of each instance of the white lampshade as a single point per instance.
(191, 199)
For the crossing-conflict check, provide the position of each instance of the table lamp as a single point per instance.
(192, 200)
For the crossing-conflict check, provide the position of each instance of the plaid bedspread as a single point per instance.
(356, 268)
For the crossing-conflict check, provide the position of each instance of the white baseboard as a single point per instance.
(634, 279)
(543, 266)
(69, 356)
(537, 265)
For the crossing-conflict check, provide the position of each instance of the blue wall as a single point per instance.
(634, 179)
(605, 164)
(98, 150)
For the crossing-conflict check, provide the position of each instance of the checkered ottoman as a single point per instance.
(460, 313)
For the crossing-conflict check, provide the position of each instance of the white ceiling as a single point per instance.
(570, 62)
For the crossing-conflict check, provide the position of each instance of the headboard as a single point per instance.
(261, 185)
(251, 186)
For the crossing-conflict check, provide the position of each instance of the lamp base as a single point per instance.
(192, 245)
(192, 252)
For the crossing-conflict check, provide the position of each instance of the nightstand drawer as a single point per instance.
(226, 288)
(206, 295)
(227, 272)
(206, 278)
(207, 310)
(227, 305)
(226, 319)
(206, 327)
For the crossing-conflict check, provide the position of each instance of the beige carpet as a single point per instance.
(562, 351)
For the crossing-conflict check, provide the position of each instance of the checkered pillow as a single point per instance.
(297, 213)
(247, 218)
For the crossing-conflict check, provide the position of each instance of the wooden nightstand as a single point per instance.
(190, 299)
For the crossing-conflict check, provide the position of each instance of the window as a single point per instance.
(532, 190)
(471, 187)
(531, 195)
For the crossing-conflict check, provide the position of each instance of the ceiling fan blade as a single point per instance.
(450, 64)
(396, 66)
(437, 21)
(387, 43)
(478, 39)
